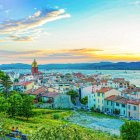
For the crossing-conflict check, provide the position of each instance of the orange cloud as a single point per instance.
(66, 56)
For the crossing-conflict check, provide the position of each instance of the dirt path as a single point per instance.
(111, 126)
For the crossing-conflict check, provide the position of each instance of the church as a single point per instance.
(35, 68)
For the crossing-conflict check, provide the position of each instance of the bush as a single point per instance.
(56, 116)
(92, 109)
(84, 100)
(130, 130)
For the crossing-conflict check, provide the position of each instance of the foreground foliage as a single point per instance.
(130, 131)
(16, 105)
(69, 132)
(52, 121)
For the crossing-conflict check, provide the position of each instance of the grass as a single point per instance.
(50, 119)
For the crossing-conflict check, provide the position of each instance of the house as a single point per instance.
(85, 91)
(123, 106)
(38, 91)
(56, 100)
(23, 86)
(120, 83)
(116, 105)
(133, 110)
(131, 93)
(98, 97)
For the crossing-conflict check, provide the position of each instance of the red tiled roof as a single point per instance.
(104, 89)
(37, 91)
(134, 102)
(112, 98)
(131, 90)
(24, 83)
(50, 94)
(103, 81)
(122, 100)
(117, 99)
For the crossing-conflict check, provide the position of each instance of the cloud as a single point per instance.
(137, 3)
(65, 56)
(38, 19)
(22, 38)
(70, 53)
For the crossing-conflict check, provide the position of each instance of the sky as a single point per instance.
(69, 31)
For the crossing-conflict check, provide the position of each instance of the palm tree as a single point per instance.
(6, 84)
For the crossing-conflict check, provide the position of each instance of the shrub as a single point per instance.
(56, 116)
(130, 130)
(84, 100)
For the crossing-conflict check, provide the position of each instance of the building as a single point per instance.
(34, 68)
(23, 86)
(133, 109)
(116, 105)
(96, 99)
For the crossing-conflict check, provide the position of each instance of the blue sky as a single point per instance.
(69, 31)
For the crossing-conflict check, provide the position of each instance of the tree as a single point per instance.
(1, 74)
(84, 100)
(26, 107)
(73, 95)
(130, 130)
(15, 102)
(6, 83)
(4, 105)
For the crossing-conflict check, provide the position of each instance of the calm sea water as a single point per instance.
(131, 75)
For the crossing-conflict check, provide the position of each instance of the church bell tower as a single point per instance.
(34, 68)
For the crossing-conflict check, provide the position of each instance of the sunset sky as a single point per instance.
(69, 31)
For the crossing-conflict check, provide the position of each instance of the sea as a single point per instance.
(131, 75)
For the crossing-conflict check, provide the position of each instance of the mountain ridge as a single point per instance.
(82, 66)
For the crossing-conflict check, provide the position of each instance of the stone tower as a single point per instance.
(34, 68)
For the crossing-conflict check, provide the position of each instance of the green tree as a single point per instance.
(4, 104)
(73, 95)
(15, 102)
(6, 83)
(84, 100)
(130, 130)
(1, 74)
(26, 108)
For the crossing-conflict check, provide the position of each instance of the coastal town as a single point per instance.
(95, 92)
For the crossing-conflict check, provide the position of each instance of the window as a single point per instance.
(98, 94)
(98, 100)
(124, 112)
(123, 105)
(117, 104)
(129, 107)
(107, 102)
(135, 108)
(111, 103)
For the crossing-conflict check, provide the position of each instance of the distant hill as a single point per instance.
(83, 66)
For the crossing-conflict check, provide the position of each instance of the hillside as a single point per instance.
(82, 66)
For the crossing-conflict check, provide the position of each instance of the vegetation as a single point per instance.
(17, 105)
(5, 82)
(130, 130)
(73, 95)
(69, 132)
(84, 100)
(43, 124)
